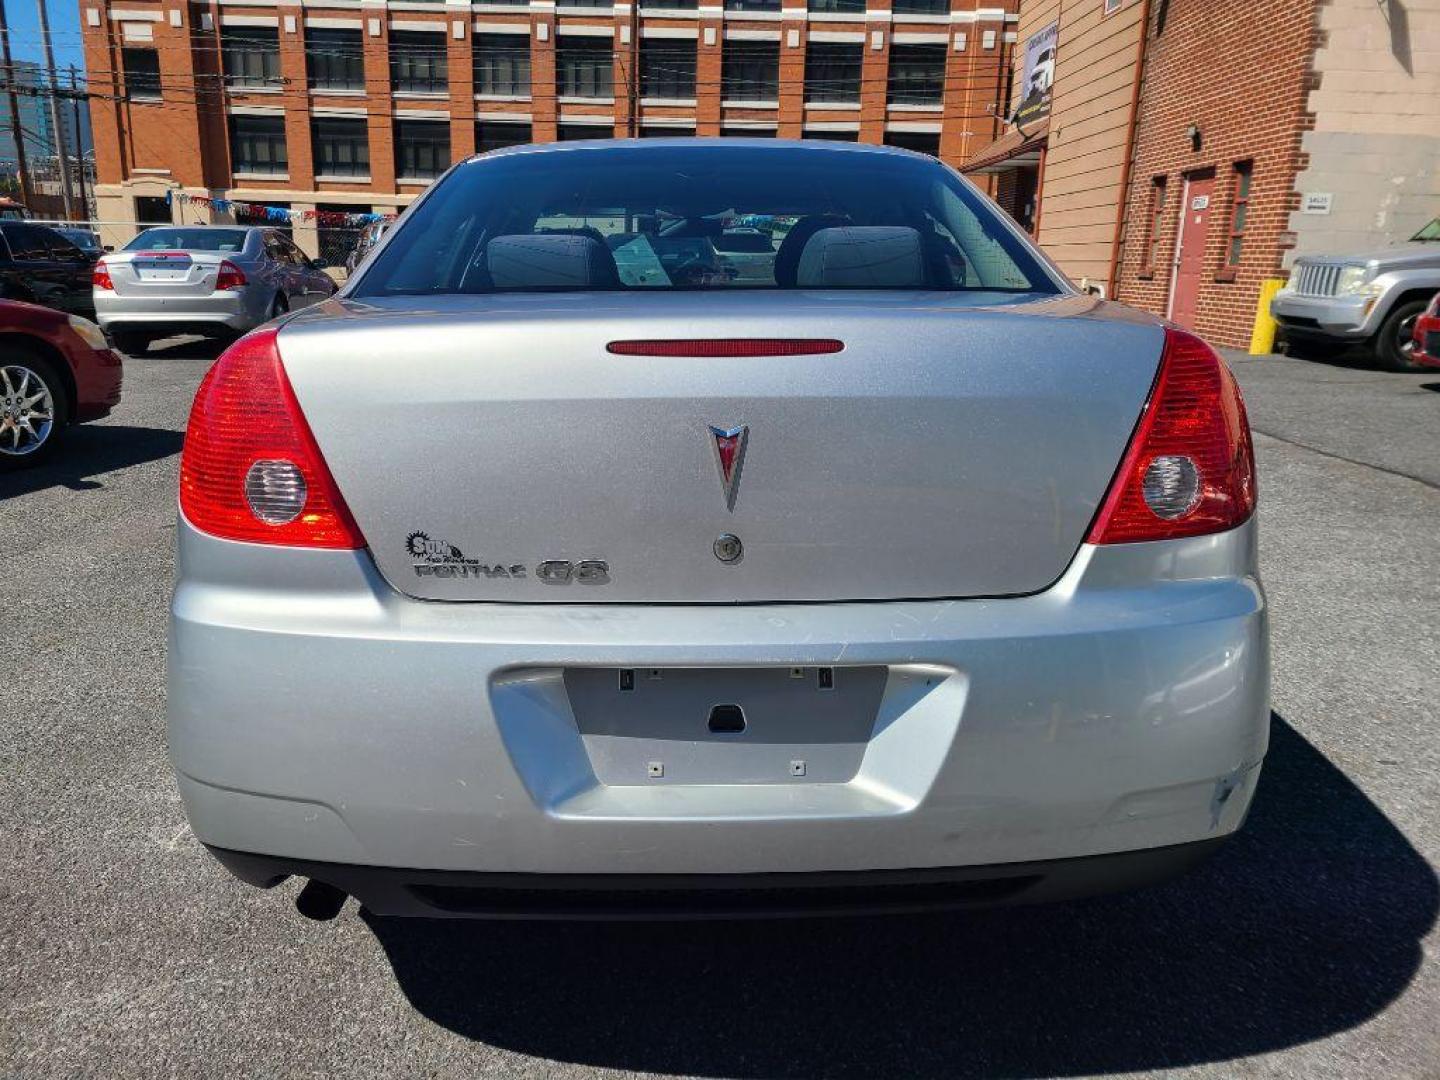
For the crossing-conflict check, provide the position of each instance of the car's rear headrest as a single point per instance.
(862, 257)
(549, 262)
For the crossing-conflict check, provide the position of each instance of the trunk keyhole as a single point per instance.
(727, 719)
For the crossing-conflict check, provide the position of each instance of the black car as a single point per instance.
(40, 266)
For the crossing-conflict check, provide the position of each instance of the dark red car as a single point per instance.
(1427, 335)
(55, 370)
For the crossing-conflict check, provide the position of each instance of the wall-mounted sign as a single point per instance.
(1038, 75)
(1199, 202)
(1316, 202)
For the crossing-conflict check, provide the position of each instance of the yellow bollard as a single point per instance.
(1262, 338)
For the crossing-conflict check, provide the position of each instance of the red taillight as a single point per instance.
(250, 469)
(1190, 467)
(100, 276)
(725, 347)
(230, 276)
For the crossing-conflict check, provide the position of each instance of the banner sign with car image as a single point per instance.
(1038, 75)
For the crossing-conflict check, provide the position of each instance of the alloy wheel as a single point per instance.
(27, 411)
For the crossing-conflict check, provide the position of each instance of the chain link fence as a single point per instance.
(336, 245)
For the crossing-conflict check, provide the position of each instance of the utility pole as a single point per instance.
(632, 74)
(79, 145)
(61, 156)
(15, 130)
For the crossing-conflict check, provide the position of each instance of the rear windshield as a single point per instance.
(164, 239)
(703, 215)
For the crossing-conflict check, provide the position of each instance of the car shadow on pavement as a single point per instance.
(187, 346)
(92, 450)
(1307, 923)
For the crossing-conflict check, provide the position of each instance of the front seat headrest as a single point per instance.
(787, 258)
(863, 257)
(549, 262)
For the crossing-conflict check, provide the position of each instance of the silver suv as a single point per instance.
(1373, 297)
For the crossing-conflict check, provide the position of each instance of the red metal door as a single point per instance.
(1190, 251)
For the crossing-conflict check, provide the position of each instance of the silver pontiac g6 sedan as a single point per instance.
(694, 527)
(202, 279)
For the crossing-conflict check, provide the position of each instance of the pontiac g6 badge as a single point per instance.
(729, 443)
(439, 559)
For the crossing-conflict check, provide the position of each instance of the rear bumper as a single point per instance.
(1337, 318)
(236, 310)
(462, 894)
(317, 716)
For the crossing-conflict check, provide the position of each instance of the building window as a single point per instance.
(152, 210)
(926, 142)
(334, 59)
(1154, 224)
(667, 68)
(747, 133)
(838, 7)
(495, 134)
(832, 71)
(422, 149)
(585, 67)
(921, 7)
(142, 74)
(917, 74)
(584, 3)
(832, 136)
(417, 62)
(342, 147)
(653, 6)
(1112, 6)
(752, 5)
(1239, 211)
(574, 132)
(257, 145)
(750, 71)
(502, 65)
(252, 55)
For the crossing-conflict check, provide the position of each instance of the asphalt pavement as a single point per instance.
(1306, 948)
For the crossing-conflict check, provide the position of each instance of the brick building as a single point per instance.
(1217, 147)
(1295, 126)
(356, 105)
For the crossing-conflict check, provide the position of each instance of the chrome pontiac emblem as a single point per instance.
(730, 457)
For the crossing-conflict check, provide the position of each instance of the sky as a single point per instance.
(64, 31)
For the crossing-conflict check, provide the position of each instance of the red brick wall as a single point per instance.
(1241, 73)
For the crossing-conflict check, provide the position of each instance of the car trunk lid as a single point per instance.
(493, 448)
(163, 273)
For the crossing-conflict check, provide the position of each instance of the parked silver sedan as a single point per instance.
(202, 279)
(902, 574)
